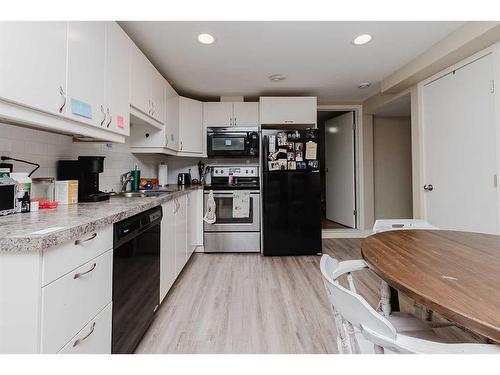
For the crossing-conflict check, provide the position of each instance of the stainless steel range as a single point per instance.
(234, 231)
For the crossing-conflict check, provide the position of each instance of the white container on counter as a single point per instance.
(23, 191)
(66, 192)
(162, 174)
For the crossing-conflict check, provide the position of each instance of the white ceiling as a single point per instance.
(316, 57)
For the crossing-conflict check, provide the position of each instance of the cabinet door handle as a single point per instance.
(80, 274)
(79, 242)
(77, 342)
(63, 94)
(181, 145)
(230, 121)
(428, 187)
(288, 122)
(110, 119)
(103, 115)
(235, 121)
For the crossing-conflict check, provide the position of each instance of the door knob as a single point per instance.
(428, 187)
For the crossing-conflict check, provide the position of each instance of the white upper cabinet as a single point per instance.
(191, 134)
(33, 64)
(246, 114)
(86, 66)
(283, 110)
(171, 118)
(147, 86)
(228, 114)
(218, 114)
(140, 84)
(157, 96)
(117, 86)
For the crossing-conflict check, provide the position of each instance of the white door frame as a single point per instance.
(358, 141)
(495, 51)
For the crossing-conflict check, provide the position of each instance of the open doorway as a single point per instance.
(392, 160)
(338, 160)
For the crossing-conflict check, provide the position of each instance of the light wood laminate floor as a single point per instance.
(247, 303)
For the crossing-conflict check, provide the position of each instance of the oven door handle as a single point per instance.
(230, 192)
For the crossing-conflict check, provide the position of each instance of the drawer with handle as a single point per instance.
(94, 338)
(59, 260)
(71, 301)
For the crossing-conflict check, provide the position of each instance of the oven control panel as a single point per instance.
(235, 171)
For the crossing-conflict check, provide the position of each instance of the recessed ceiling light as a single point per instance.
(364, 85)
(362, 39)
(206, 39)
(277, 77)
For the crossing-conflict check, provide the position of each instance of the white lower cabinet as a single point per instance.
(167, 253)
(196, 218)
(71, 301)
(50, 300)
(95, 337)
(60, 301)
(180, 235)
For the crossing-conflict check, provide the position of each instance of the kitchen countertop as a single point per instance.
(74, 221)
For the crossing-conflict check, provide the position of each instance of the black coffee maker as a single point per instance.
(86, 170)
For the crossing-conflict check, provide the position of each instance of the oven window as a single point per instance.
(224, 211)
(228, 144)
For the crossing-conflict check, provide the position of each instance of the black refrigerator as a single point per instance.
(291, 192)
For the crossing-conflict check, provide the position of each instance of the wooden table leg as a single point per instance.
(394, 299)
(385, 299)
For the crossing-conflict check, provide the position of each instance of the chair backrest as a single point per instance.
(401, 224)
(350, 305)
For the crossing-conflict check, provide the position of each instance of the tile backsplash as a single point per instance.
(47, 148)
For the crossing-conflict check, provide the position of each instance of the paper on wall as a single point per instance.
(311, 150)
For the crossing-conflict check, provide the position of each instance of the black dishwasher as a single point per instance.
(136, 277)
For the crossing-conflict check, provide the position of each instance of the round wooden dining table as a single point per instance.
(456, 274)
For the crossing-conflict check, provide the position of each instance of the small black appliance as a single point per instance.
(231, 142)
(184, 178)
(86, 170)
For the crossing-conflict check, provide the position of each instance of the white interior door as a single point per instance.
(460, 149)
(339, 164)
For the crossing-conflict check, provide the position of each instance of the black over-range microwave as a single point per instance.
(232, 142)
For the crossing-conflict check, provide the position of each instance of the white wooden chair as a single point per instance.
(355, 318)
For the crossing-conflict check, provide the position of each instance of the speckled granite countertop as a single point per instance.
(16, 231)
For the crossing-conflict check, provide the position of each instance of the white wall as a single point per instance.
(392, 167)
(47, 148)
(369, 210)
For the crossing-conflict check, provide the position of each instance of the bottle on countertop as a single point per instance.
(136, 175)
